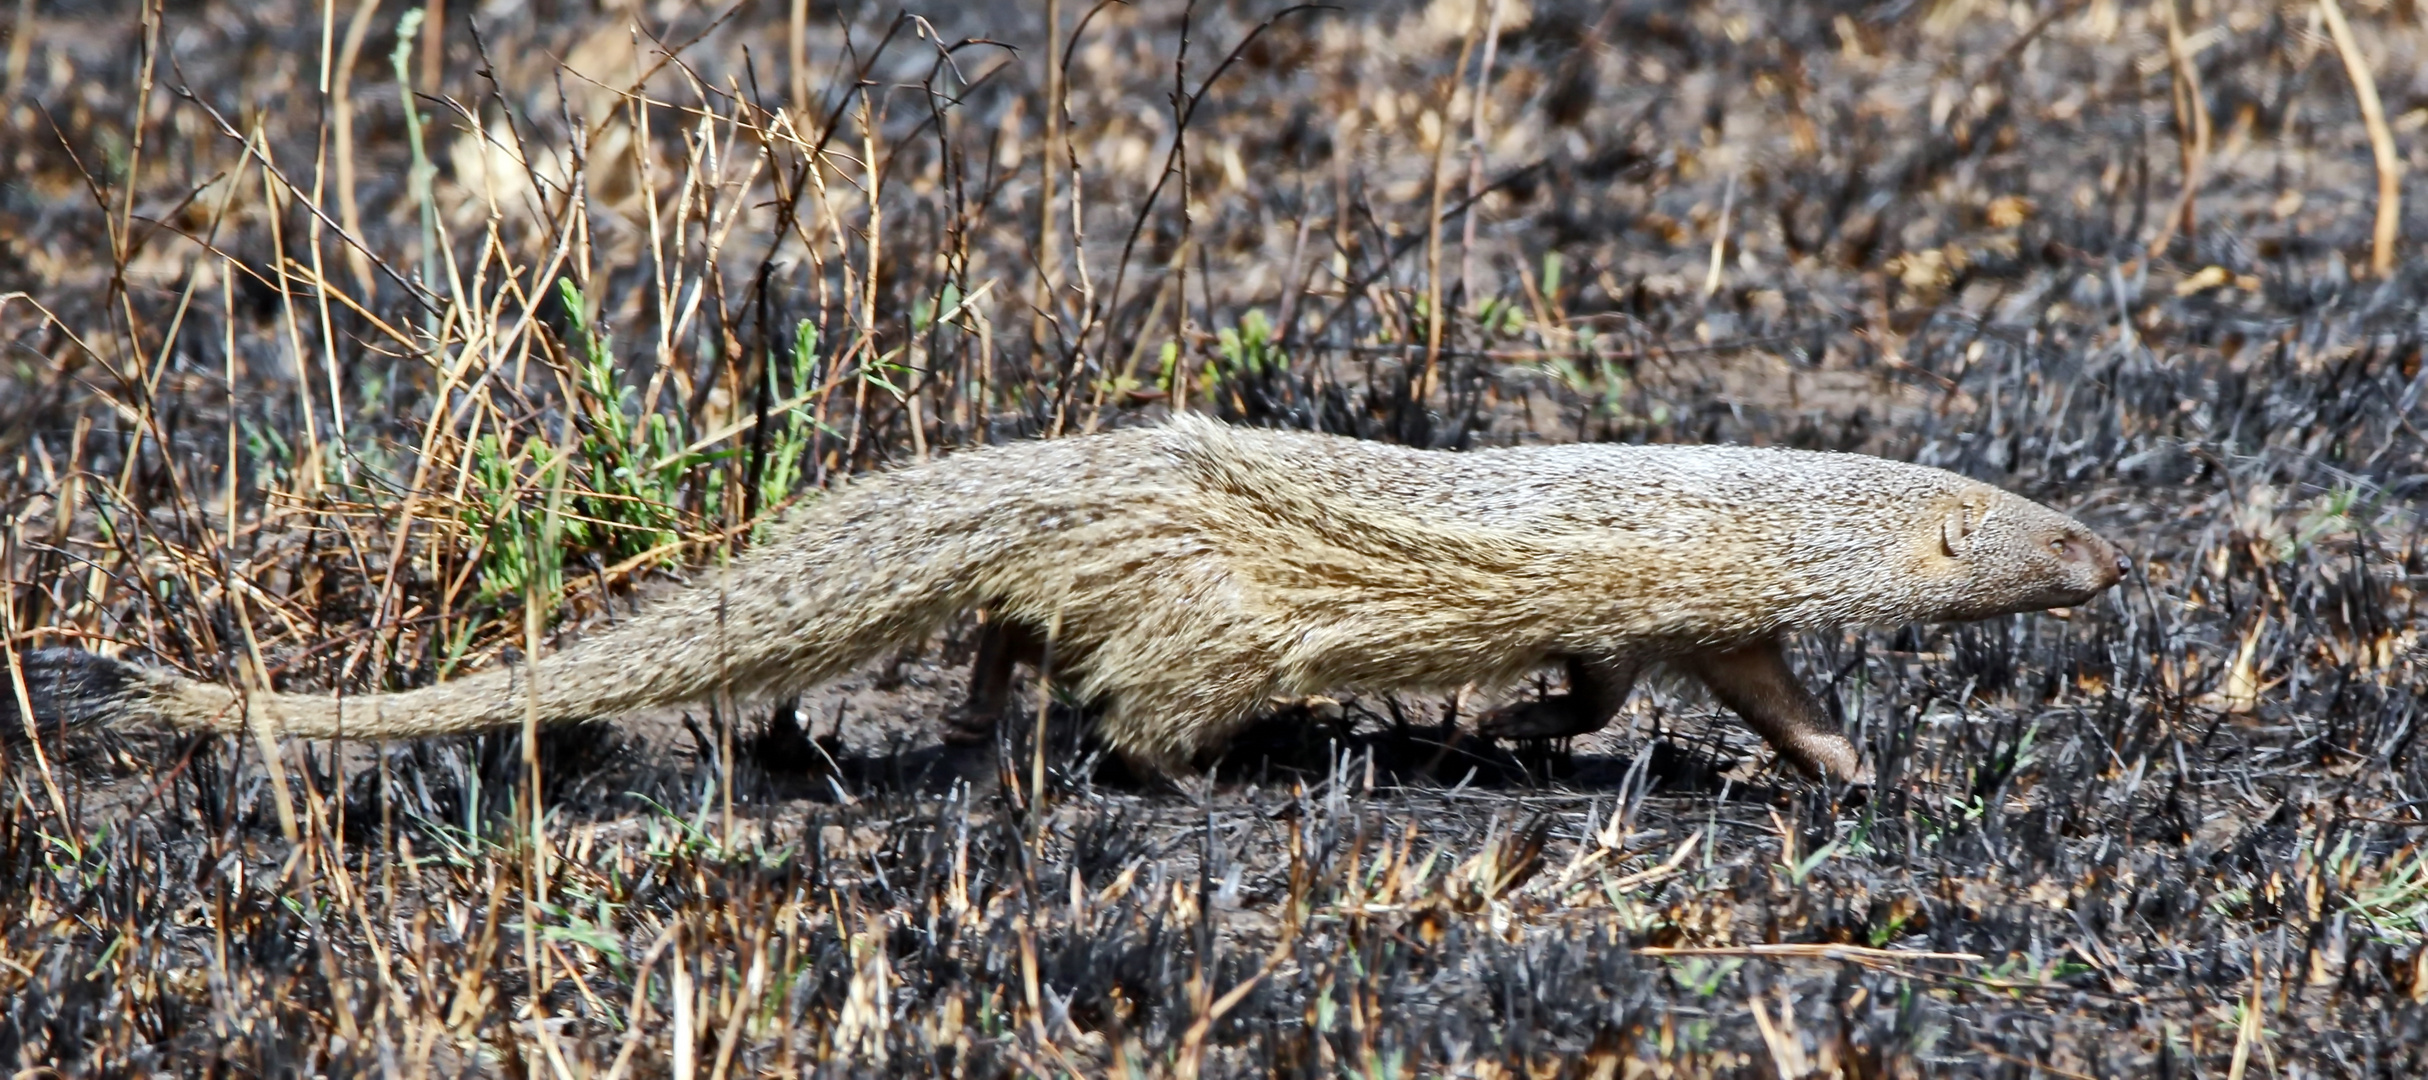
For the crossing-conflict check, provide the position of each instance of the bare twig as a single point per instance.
(1479, 112)
(2381, 140)
(1435, 317)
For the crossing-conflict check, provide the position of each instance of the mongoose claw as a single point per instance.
(1546, 718)
(1865, 777)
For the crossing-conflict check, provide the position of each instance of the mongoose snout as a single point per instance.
(1180, 575)
(2107, 564)
(2087, 566)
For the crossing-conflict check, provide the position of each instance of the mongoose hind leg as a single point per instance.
(1596, 689)
(1001, 644)
(1756, 682)
(1159, 727)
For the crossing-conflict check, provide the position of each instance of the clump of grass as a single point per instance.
(632, 472)
(1247, 350)
(795, 427)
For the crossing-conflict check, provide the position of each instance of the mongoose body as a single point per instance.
(1184, 573)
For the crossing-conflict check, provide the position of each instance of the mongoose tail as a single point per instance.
(868, 567)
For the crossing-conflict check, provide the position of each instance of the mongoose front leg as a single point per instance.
(1755, 681)
(1596, 689)
(1001, 644)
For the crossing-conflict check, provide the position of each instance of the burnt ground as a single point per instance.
(275, 394)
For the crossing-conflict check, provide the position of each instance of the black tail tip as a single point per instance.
(68, 688)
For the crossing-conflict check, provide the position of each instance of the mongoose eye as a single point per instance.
(2058, 545)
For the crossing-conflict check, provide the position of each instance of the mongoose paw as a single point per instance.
(1861, 789)
(1545, 718)
(1830, 756)
(970, 727)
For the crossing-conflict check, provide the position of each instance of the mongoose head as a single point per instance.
(1994, 554)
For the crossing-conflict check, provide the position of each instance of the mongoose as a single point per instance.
(1185, 572)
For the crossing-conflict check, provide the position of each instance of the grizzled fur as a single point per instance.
(1189, 571)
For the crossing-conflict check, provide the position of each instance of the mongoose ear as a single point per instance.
(1956, 529)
